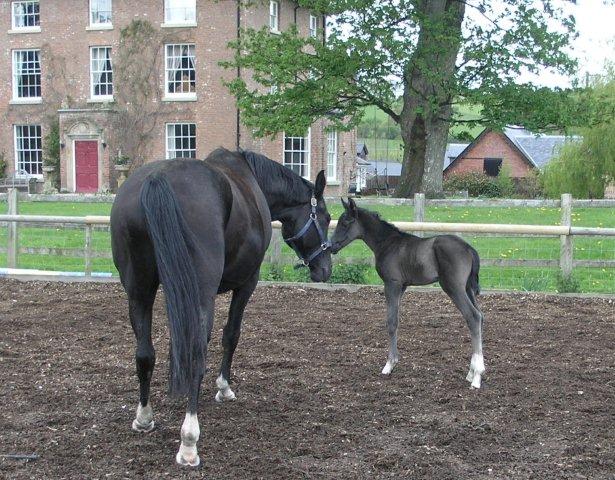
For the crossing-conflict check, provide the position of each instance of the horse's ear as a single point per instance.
(352, 207)
(344, 204)
(320, 184)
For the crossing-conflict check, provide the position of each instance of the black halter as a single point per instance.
(324, 243)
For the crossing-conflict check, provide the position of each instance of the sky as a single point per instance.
(595, 21)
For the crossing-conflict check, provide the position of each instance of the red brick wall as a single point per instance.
(491, 145)
(64, 42)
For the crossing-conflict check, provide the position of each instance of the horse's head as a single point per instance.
(305, 230)
(348, 228)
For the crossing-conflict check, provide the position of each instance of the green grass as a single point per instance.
(601, 280)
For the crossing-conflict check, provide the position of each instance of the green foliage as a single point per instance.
(122, 160)
(529, 186)
(567, 284)
(275, 273)
(2, 164)
(349, 273)
(505, 183)
(375, 50)
(585, 167)
(51, 146)
(534, 284)
(476, 183)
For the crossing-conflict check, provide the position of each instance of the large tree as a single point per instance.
(431, 53)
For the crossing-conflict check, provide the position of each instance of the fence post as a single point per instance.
(276, 247)
(565, 252)
(13, 242)
(419, 210)
(88, 250)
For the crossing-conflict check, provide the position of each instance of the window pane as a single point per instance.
(181, 73)
(181, 140)
(296, 154)
(101, 71)
(100, 11)
(26, 14)
(28, 148)
(26, 74)
(180, 11)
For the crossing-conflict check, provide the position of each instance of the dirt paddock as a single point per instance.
(311, 402)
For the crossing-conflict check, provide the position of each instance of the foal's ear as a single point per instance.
(352, 207)
(344, 204)
(320, 184)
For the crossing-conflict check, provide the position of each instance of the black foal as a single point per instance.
(403, 259)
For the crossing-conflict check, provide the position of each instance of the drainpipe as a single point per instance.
(238, 115)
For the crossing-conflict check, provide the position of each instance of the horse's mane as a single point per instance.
(384, 225)
(273, 176)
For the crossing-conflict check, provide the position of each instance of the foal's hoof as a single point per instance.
(186, 460)
(470, 376)
(227, 396)
(141, 428)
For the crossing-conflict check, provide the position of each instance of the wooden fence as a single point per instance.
(565, 231)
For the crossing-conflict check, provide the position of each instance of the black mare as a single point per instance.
(403, 260)
(201, 228)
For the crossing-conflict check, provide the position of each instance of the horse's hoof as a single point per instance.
(139, 427)
(227, 396)
(475, 383)
(388, 368)
(186, 460)
(470, 376)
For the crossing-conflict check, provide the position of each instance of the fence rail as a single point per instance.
(94, 245)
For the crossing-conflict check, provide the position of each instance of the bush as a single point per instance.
(530, 186)
(51, 146)
(347, 273)
(567, 284)
(476, 183)
(505, 182)
(2, 165)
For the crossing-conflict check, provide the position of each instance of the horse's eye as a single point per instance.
(328, 218)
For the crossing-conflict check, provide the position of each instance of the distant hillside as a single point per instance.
(383, 137)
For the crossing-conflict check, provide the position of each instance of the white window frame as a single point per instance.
(167, 138)
(169, 21)
(313, 31)
(25, 99)
(21, 28)
(332, 151)
(167, 91)
(93, 96)
(38, 150)
(100, 25)
(274, 16)
(306, 151)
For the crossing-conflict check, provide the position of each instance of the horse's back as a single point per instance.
(220, 202)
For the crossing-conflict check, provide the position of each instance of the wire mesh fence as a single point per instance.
(508, 261)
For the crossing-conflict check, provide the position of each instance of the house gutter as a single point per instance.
(238, 114)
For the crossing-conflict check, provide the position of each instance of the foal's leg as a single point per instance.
(474, 319)
(190, 431)
(392, 292)
(230, 337)
(140, 312)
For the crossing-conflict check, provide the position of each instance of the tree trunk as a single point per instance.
(428, 82)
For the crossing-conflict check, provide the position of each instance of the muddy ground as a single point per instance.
(311, 402)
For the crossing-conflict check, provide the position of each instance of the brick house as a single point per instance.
(519, 149)
(143, 83)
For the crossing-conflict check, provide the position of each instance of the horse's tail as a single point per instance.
(472, 286)
(172, 241)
